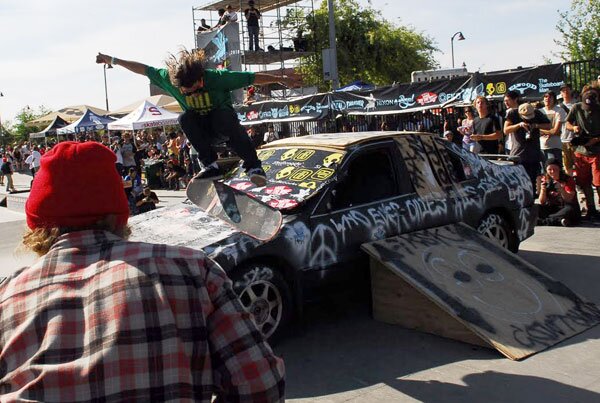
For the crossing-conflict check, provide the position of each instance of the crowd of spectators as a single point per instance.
(534, 133)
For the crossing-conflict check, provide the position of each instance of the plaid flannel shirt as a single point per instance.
(101, 319)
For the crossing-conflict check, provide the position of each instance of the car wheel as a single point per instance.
(496, 227)
(264, 293)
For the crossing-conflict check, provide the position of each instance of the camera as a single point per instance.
(580, 140)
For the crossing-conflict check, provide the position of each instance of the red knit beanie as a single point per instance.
(76, 186)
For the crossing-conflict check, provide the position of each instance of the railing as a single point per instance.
(580, 73)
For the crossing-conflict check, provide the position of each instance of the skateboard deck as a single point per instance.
(236, 208)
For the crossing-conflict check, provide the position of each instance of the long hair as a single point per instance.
(186, 67)
(40, 240)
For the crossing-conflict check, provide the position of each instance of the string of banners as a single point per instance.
(531, 83)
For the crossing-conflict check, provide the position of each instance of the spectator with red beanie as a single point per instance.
(99, 318)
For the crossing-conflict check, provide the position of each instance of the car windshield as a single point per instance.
(293, 175)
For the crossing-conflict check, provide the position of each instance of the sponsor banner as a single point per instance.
(411, 97)
(404, 97)
(531, 82)
(312, 107)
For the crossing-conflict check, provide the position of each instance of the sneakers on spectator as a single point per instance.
(257, 176)
(211, 171)
(565, 222)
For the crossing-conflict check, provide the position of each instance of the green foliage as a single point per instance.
(20, 130)
(579, 29)
(369, 48)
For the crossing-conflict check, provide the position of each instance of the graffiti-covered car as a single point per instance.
(335, 192)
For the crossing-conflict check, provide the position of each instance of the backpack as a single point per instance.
(5, 168)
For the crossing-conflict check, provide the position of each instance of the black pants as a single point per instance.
(533, 170)
(551, 215)
(218, 126)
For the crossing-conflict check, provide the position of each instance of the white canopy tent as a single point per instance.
(145, 116)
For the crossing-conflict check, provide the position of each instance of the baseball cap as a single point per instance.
(526, 111)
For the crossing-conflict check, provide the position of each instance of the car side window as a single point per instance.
(419, 168)
(460, 169)
(369, 177)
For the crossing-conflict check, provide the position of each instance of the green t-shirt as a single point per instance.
(216, 93)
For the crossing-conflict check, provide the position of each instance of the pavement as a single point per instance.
(338, 353)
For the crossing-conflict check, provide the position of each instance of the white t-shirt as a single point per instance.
(567, 135)
(34, 159)
(270, 136)
(549, 142)
(230, 16)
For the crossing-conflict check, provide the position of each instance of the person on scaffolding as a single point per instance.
(208, 116)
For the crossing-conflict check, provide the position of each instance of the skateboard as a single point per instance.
(236, 208)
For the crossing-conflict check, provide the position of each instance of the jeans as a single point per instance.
(253, 37)
(9, 182)
(218, 126)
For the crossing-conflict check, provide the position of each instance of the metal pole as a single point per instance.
(335, 81)
(452, 46)
(105, 87)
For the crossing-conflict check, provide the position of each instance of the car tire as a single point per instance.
(265, 293)
(495, 227)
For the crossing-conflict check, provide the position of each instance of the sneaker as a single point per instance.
(257, 176)
(565, 222)
(212, 172)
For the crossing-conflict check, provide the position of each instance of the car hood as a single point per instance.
(182, 224)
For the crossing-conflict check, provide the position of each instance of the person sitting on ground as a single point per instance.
(146, 201)
(132, 184)
(101, 318)
(558, 197)
(173, 172)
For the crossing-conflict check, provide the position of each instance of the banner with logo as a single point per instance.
(311, 107)
(530, 82)
(404, 97)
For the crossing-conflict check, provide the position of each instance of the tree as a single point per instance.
(20, 129)
(579, 29)
(369, 48)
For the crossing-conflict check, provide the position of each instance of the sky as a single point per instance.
(48, 47)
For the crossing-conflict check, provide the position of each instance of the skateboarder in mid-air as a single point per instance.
(205, 96)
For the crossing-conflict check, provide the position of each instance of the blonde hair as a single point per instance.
(186, 67)
(40, 240)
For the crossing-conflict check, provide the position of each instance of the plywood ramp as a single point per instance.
(453, 282)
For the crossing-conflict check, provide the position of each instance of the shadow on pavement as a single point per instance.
(493, 386)
(338, 347)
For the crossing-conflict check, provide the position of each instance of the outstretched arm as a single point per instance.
(288, 81)
(136, 67)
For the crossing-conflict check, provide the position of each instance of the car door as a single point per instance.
(433, 206)
(462, 185)
(367, 202)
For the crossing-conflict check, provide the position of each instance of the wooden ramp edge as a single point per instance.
(453, 282)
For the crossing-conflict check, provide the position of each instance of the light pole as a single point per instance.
(461, 37)
(335, 81)
(106, 66)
